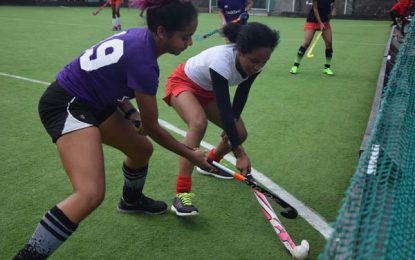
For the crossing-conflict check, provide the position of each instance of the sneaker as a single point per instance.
(182, 205)
(115, 28)
(328, 71)
(294, 70)
(144, 204)
(218, 173)
(28, 252)
(119, 27)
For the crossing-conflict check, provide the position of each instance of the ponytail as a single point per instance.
(173, 15)
(231, 31)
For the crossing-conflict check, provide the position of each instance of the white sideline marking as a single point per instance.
(23, 78)
(309, 215)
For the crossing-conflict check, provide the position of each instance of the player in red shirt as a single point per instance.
(399, 12)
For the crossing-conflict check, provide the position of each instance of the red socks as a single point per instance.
(212, 156)
(183, 183)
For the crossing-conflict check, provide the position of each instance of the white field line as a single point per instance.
(309, 215)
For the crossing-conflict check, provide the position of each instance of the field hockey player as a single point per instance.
(199, 91)
(318, 19)
(88, 105)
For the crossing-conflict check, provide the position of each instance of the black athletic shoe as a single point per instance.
(144, 204)
(182, 205)
(29, 253)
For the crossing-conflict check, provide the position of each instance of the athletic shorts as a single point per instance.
(179, 82)
(116, 2)
(315, 26)
(62, 113)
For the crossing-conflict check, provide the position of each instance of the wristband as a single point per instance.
(129, 113)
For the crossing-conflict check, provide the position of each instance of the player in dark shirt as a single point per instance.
(234, 10)
(318, 19)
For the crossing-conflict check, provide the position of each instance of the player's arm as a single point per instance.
(241, 96)
(222, 16)
(333, 9)
(128, 109)
(249, 4)
(149, 119)
(130, 112)
(221, 90)
(221, 11)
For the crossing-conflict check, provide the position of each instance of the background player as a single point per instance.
(398, 14)
(116, 17)
(318, 19)
(231, 10)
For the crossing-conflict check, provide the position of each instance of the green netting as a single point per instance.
(377, 219)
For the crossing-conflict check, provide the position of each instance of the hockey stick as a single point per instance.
(212, 32)
(287, 210)
(206, 35)
(310, 53)
(297, 251)
(100, 8)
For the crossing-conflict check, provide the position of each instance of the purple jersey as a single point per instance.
(232, 8)
(113, 69)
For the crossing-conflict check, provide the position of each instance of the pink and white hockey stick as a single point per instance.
(299, 252)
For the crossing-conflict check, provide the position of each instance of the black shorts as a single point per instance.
(62, 113)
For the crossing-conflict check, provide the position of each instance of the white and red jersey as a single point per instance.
(220, 59)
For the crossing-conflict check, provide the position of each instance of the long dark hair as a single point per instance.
(173, 15)
(251, 36)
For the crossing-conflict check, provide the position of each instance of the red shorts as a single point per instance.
(116, 2)
(179, 82)
(315, 26)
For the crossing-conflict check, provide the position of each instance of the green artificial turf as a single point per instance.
(304, 130)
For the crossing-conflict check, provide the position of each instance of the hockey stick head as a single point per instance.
(287, 210)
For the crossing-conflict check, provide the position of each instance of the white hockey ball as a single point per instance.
(300, 252)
